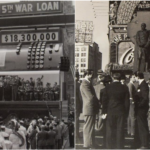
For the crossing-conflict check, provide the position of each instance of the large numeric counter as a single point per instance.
(36, 56)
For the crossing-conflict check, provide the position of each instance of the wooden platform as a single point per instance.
(29, 105)
(30, 109)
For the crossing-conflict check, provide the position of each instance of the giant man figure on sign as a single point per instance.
(142, 45)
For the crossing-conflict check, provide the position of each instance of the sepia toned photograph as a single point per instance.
(112, 61)
(74, 74)
(37, 74)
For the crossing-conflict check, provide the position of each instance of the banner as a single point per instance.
(30, 7)
(84, 31)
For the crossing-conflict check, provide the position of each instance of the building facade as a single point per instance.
(87, 57)
(125, 19)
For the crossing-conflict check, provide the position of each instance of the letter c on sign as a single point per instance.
(127, 57)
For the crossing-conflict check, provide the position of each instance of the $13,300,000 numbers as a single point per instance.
(30, 37)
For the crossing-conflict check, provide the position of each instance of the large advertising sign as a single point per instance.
(30, 7)
(84, 31)
(14, 37)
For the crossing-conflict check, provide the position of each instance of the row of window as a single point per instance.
(82, 54)
(82, 60)
(82, 65)
(82, 49)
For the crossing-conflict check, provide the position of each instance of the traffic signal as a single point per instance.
(65, 64)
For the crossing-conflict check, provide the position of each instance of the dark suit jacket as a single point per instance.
(90, 102)
(115, 99)
(142, 100)
(51, 138)
(42, 138)
(98, 90)
(95, 81)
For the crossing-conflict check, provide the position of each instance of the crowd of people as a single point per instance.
(14, 88)
(108, 103)
(39, 133)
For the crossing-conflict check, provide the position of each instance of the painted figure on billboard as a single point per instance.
(143, 42)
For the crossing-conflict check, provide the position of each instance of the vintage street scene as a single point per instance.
(37, 74)
(112, 61)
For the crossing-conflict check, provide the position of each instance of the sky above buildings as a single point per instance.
(98, 13)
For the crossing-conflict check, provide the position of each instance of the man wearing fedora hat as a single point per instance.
(96, 81)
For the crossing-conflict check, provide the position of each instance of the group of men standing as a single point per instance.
(15, 88)
(116, 103)
(40, 133)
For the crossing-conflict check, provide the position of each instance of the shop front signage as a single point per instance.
(122, 67)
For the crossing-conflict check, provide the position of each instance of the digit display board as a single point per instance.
(14, 37)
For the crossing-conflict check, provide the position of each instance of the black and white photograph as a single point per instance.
(37, 74)
(74, 74)
(112, 61)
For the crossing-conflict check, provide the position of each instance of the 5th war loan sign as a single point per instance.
(30, 8)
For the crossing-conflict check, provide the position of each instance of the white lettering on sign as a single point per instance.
(38, 9)
(4, 10)
(7, 9)
(127, 57)
(47, 6)
(44, 6)
(50, 6)
(18, 8)
(23, 8)
(30, 37)
(56, 6)
(30, 7)
(122, 67)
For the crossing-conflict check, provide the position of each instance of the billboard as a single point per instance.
(84, 31)
(30, 7)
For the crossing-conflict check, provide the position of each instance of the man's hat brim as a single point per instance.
(100, 71)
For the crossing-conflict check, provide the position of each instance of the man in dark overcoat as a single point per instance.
(42, 137)
(115, 103)
(141, 110)
(51, 138)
